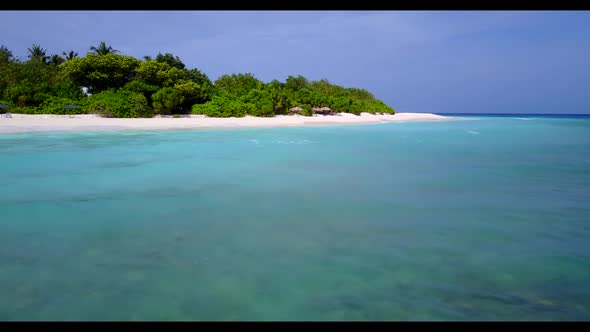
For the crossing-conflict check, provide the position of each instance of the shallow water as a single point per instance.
(463, 220)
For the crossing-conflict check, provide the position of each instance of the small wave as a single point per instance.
(525, 119)
(293, 142)
(254, 141)
(473, 132)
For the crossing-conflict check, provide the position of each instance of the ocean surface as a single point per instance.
(487, 218)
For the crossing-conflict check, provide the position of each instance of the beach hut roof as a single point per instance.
(296, 109)
(3, 106)
(321, 109)
(69, 106)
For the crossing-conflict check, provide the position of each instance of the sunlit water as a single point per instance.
(487, 218)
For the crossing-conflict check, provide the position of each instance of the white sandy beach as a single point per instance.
(88, 122)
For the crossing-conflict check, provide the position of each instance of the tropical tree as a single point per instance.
(159, 73)
(237, 85)
(124, 86)
(70, 55)
(170, 59)
(5, 53)
(56, 60)
(296, 83)
(101, 72)
(103, 49)
(36, 52)
(279, 96)
(192, 93)
(198, 77)
(167, 100)
(9, 70)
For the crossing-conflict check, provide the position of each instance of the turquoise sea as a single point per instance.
(487, 218)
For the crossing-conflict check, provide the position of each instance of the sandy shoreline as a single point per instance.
(20, 123)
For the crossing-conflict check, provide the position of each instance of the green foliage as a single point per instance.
(192, 93)
(26, 94)
(119, 104)
(171, 60)
(159, 73)
(223, 107)
(37, 53)
(237, 85)
(31, 82)
(67, 89)
(55, 105)
(262, 102)
(307, 110)
(101, 72)
(296, 83)
(280, 97)
(256, 102)
(141, 87)
(70, 55)
(206, 90)
(56, 60)
(348, 100)
(123, 86)
(167, 100)
(103, 49)
(198, 77)
(7, 103)
(26, 110)
(5, 55)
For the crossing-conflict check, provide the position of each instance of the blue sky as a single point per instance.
(430, 61)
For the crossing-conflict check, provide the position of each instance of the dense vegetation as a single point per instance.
(115, 85)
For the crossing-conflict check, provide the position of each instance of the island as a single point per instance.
(70, 92)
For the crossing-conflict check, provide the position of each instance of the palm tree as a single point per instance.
(5, 50)
(103, 49)
(56, 60)
(38, 53)
(5, 55)
(70, 55)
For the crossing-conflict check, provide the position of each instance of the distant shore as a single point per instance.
(20, 123)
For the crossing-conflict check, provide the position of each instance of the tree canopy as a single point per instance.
(103, 49)
(119, 85)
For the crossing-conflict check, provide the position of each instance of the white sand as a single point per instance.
(42, 122)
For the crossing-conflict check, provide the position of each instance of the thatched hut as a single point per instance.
(296, 109)
(322, 110)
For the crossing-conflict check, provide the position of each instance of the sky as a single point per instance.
(415, 61)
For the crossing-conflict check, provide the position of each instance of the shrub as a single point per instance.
(141, 87)
(119, 104)
(55, 105)
(307, 110)
(69, 90)
(223, 108)
(258, 103)
(167, 100)
(25, 110)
